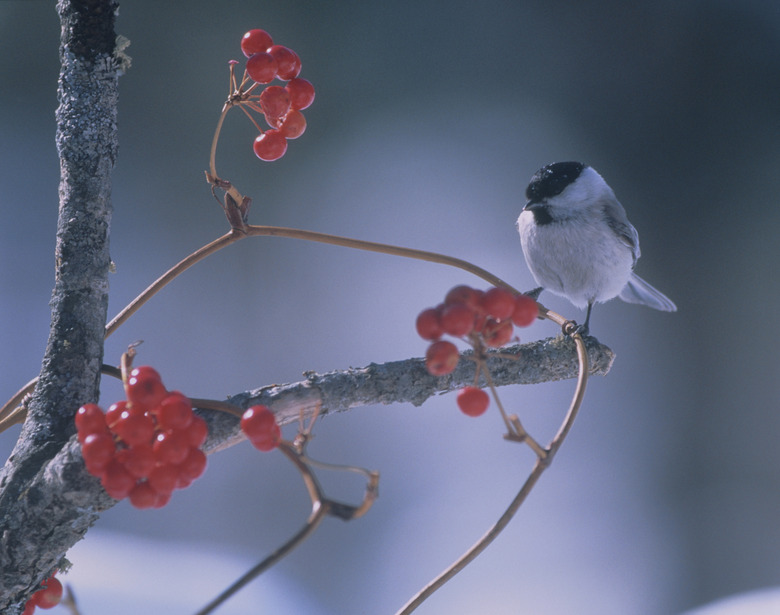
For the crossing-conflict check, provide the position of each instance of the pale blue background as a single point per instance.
(429, 120)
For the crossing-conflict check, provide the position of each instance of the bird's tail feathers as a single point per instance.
(639, 291)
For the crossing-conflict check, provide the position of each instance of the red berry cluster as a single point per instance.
(281, 105)
(485, 319)
(146, 446)
(259, 426)
(47, 597)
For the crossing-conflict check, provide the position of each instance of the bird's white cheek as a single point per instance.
(533, 243)
(525, 224)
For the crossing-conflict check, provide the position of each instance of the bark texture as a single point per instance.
(70, 373)
(406, 381)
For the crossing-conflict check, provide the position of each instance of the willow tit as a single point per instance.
(578, 242)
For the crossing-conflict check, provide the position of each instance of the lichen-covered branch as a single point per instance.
(406, 381)
(62, 500)
(70, 373)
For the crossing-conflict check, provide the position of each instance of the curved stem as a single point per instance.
(541, 465)
(582, 382)
(215, 140)
(371, 246)
(292, 233)
(230, 237)
(8, 413)
(319, 511)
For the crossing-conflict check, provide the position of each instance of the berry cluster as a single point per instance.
(259, 426)
(484, 319)
(146, 446)
(47, 597)
(281, 105)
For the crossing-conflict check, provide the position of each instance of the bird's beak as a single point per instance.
(528, 205)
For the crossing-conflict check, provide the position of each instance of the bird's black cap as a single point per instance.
(552, 179)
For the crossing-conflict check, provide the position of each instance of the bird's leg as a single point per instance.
(583, 329)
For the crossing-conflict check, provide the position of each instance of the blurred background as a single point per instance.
(429, 120)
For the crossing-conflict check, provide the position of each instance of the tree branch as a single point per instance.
(63, 500)
(70, 373)
(406, 381)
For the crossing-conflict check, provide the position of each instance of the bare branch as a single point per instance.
(406, 381)
(63, 500)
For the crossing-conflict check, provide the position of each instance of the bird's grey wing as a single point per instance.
(615, 216)
(639, 291)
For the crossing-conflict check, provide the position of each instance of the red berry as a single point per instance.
(117, 481)
(497, 332)
(29, 606)
(197, 432)
(194, 464)
(261, 67)
(457, 319)
(473, 401)
(255, 41)
(114, 411)
(182, 482)
(287, 60)
(138, 460)
(441, 358)
(134, 428)
(275, 102)
(174, 412)
(301, 93)
(97, 450)
(145, 388)
(162, 500)
(259, 425)
(460, 294)
(479, 322)
(464, 294)
(294, 124)
(498, 302)
(143, 496)
(90, 420)
(163, 479)
(265, 445)
(526, 311)
(429, 324)
(171, 447)
(50, 595)
(270, 145)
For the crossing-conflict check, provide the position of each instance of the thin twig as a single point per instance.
(321, 507)
(221, 242)
(315, 518)
(541, 465)
(371, 246)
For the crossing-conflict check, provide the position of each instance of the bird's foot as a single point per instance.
(571, 328)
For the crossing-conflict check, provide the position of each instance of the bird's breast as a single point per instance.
(582, 261)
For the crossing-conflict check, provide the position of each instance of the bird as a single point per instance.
(578, 242)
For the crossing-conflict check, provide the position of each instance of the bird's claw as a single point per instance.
(571, 328)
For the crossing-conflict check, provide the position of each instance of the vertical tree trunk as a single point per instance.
(37, 526)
